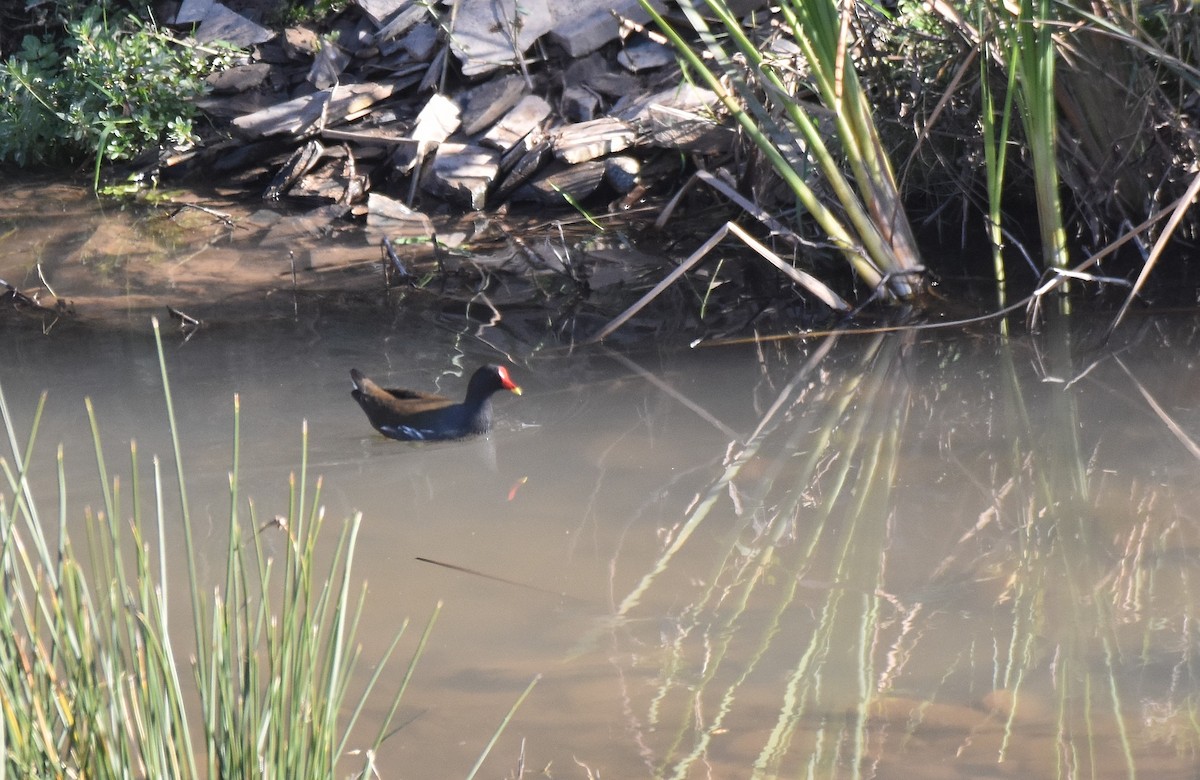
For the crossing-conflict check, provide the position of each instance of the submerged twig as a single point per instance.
(1181, 207)
(187, 323)
(495, 578)
(678, 396)
(720, 486)
(1167, 420)
(45, 283)
(958, 323)
(805, 280)
(393, 265)
(503, 724)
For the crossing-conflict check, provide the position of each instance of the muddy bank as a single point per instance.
(71, 260)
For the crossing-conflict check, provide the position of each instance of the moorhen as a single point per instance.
(410, 415)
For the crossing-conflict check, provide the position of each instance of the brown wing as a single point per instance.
(391, 402)
(411, 401)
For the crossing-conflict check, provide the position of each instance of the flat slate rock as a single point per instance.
(518, 123)
(588, 140)
(390, 216)
(312, 224)
(486, 103)
(586, 25)
(421, 42)
(368, 136)
(380, 11)
(328, 65)
(388, 37)
(239, 78)
(462, 173)
(493, 34)
(440, 117)
(686, 97)
(299, 114)
(192, 11)
(222, 24)
(645, 55)
(300, 43)
(563, 185)
(579, 104)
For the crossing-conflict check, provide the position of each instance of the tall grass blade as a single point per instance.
(90, 682)
(503, 725)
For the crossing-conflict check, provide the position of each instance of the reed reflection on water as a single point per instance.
(921, 555)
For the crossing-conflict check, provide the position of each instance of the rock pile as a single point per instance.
(399, 104)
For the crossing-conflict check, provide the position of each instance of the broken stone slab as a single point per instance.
(535, 138)
(410, 14)
(293, 116)
(563, 185)
(439, 118)
(301, 162)
(239, 78)
(522, 168)
(330, 175)
(588, 140)
(594, 73)
(332, 180)
(316, 223)
(493, 34)
(687, 97)
(300, 43)
(229, 106)
(192, 11)
(372, 136)
(685, 117)
(396, 68)
(379, 11)
(579, 104)
(523, 118)
(589, 24)
(421, 42)
(328, 65)
(645, 55)
(356, 37)
(433, 71)
(462, 173)
(298, 115)
(223, 24)
(396, 220)
(486, 103)
(669, 128)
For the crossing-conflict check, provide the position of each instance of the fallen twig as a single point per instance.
(805, 280)
(1167, 420)
(1180, 208)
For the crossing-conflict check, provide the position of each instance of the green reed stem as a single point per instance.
(875, 238)
(89, 680)
(503, 725)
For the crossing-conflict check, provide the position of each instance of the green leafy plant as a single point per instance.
(108, 91)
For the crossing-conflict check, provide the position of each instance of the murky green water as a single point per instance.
(933, 555)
